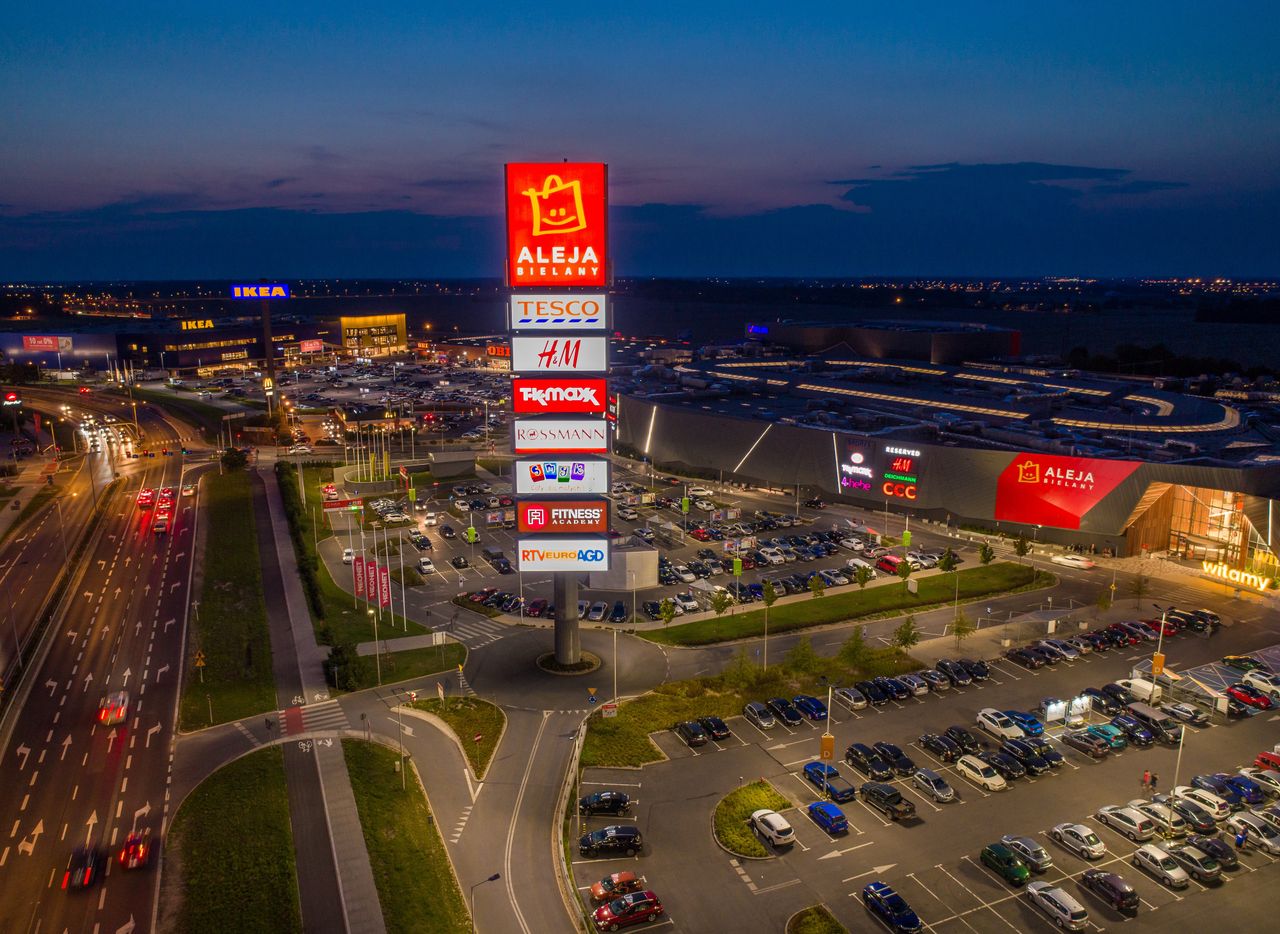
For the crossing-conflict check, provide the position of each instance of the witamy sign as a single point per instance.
(548, 553)
(559, 396)
(561, 476)
(559, 354)
(561, 312)
(560, 436)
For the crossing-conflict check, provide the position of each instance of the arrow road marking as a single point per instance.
(408, 730)
(52, 686)
(111, 738)
(877, 871)
(90, 823)
(72, 635)
(128, 672)
(23, 751)
(65, 743)
(153, 730)
(143, 811)
(127, 927)
(167, 624)
(88, 594)
(28, 843)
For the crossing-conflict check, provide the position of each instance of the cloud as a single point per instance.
(277, 182)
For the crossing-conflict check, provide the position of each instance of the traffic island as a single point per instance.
(733, 830)
(586, 664)
(815, 919)
(477, 725)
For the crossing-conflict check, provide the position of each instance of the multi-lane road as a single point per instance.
(69, 779)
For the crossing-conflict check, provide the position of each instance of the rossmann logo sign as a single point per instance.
(557, 215)
(561, 436)
(562, 312)
(562, 554)
(563, 516)
(559, 396)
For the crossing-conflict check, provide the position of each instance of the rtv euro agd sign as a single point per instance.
(550, 553)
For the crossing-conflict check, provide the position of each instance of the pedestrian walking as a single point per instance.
(1146, 780)
(1155, 782)
(1242, 837)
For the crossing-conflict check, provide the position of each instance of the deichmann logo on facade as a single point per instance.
(552, 396)
(561, 312)
(562, 554)
(561, 436)
(274, 290)
(1236, 576)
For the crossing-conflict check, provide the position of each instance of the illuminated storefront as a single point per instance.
(374, 335)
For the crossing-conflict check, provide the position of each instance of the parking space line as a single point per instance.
(934, 895)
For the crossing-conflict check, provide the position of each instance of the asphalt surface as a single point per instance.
(69, 779)
(932, 862)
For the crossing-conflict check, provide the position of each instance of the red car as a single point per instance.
(1268, 760)
(1155, 626)
(635, 908)
(480, 596)
(701, 535)
(1125, 634)
(536, 608)
(1250, 696)
(888, 564)
(748, 562)
(136, 852)
(145, 498)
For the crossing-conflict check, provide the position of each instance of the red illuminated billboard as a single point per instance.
(557, 214)
(563, 516)
(1048, 489)
(559, 396)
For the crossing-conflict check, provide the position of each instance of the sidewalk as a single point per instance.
(358, 892)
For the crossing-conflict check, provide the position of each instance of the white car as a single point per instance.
(626, 512)
(1161, 866)
(853, 544)
(773, 827)
(998, 724)
(773, 556)
(348, 556)
(1216, 806)
(704, 504)
(1061, 907)
(686, 602)
(699, 491)
(1080, 840)
(1128, 821)
(981, 774)
(1261, 833)
(299, 449)
(854, 563)
(1266, 779)
(1073, 561)
(849, 698)
(425, 566)
(686, 576)
(1265, 682)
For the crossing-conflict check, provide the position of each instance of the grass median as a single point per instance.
(733, 811)
(816, 919)
(233, 877)
(411, 663)
(469, 717)
(230, 628)
(416, 885)
(849, 603)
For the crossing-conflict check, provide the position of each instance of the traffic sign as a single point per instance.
(440, 691)
(199, 659)
(1157, 664)
(608, 710)
(478, 737)
(906, 539)
(828, 749)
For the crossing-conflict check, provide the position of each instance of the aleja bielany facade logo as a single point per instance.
(1056, 491)
(557, 220)
(1030, 471)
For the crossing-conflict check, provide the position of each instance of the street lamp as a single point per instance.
(493, 878)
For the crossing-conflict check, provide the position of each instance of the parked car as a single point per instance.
(944, 747)
(1197, 817)
(1216, 807)
(1134, 730)
(773, 827)
(1168, 821)
(890, 908)
(963, 738)
(1161, 866)
(716, 728)
(759, 715)
(604, 802)
(1112, 736)
(810, 706)
(1197, 863)
(895, 757)
(980, 773)
(1086, 742)
(1128, 821)
(614, 886)
(1045, 751)
(626, 910)
(1111, 888)
(849, 698)
(865, 760)
(829, 781)
(621, 838)
(1005, 863)
(1186, 713)
(1216, 847)
(1031, 761)
(1029, 851)
(998, 724)
(934, 785)
(1080, 840)
(1058, 905)
(784, 711)
(691, 732)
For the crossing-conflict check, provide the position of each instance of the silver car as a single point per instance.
(1061, 907)
(1080, 840)
(849, 698)
(758, 714)
(1032, 853)
(918, 685)
(1168, 820)
(1196, 862)
(1261, 833)
(934, 785)
(1161, 866)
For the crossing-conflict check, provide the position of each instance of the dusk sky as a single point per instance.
(338, 139)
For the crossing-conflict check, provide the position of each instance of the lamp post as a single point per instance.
(62, 532)
(472, 898)
(377, 653)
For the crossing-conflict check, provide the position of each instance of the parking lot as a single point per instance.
(931, 861)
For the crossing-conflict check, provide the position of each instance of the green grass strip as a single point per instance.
(815, 919)
(230, 627)
(237, 877)
(849, 603)
(415, 882)
(733, 810)
(469, 717)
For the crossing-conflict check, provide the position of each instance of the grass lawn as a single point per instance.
(733, 810)
(233, 879)
(414, 663)
(415, 881)
(815, 920)
(201, 414)
(468, 716)
(231, 625)
(850, 603)
(33, 504)
(347, 620)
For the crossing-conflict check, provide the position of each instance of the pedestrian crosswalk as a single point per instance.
(324, 716)
(476, 631)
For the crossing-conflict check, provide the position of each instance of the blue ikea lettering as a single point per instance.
(275, 290)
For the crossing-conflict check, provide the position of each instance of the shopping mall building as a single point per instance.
(1096, 462)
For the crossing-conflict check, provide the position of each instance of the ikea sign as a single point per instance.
(261, 290)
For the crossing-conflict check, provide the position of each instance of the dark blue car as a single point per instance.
(1248, 790)
(891, 908)
(1220, 787)
(810, 706)
(1030, 724)
(783, 710)
(829, 817)
(825, 778)
(1134, 729)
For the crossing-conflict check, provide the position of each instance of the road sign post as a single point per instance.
(828, 749)
(199, 663)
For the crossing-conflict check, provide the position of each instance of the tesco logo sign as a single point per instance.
(559, 396)
(561, 312)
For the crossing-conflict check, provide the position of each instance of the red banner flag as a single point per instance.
(371, 581)
(358, 569)
(384, 592)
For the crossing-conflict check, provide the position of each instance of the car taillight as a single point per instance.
(66, 877)
(88, 874)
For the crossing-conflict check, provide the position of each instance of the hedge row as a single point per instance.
(296, 514)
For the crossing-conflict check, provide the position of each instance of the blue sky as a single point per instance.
(1127, 126)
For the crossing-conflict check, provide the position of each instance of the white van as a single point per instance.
(1142, 689)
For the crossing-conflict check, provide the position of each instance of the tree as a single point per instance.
(961, 628)
(721, 600)
(863, 575)
(986, 554)
(740, 672)
(904, 571)
(854, 651)
(802, 657)
(770, 595)
(234, 459)
(1021, 547)
(667, 611)
(907, 635)
(947, 563)
(1103, 602)
(1140, 586)
(345, 668)
(817, 586)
